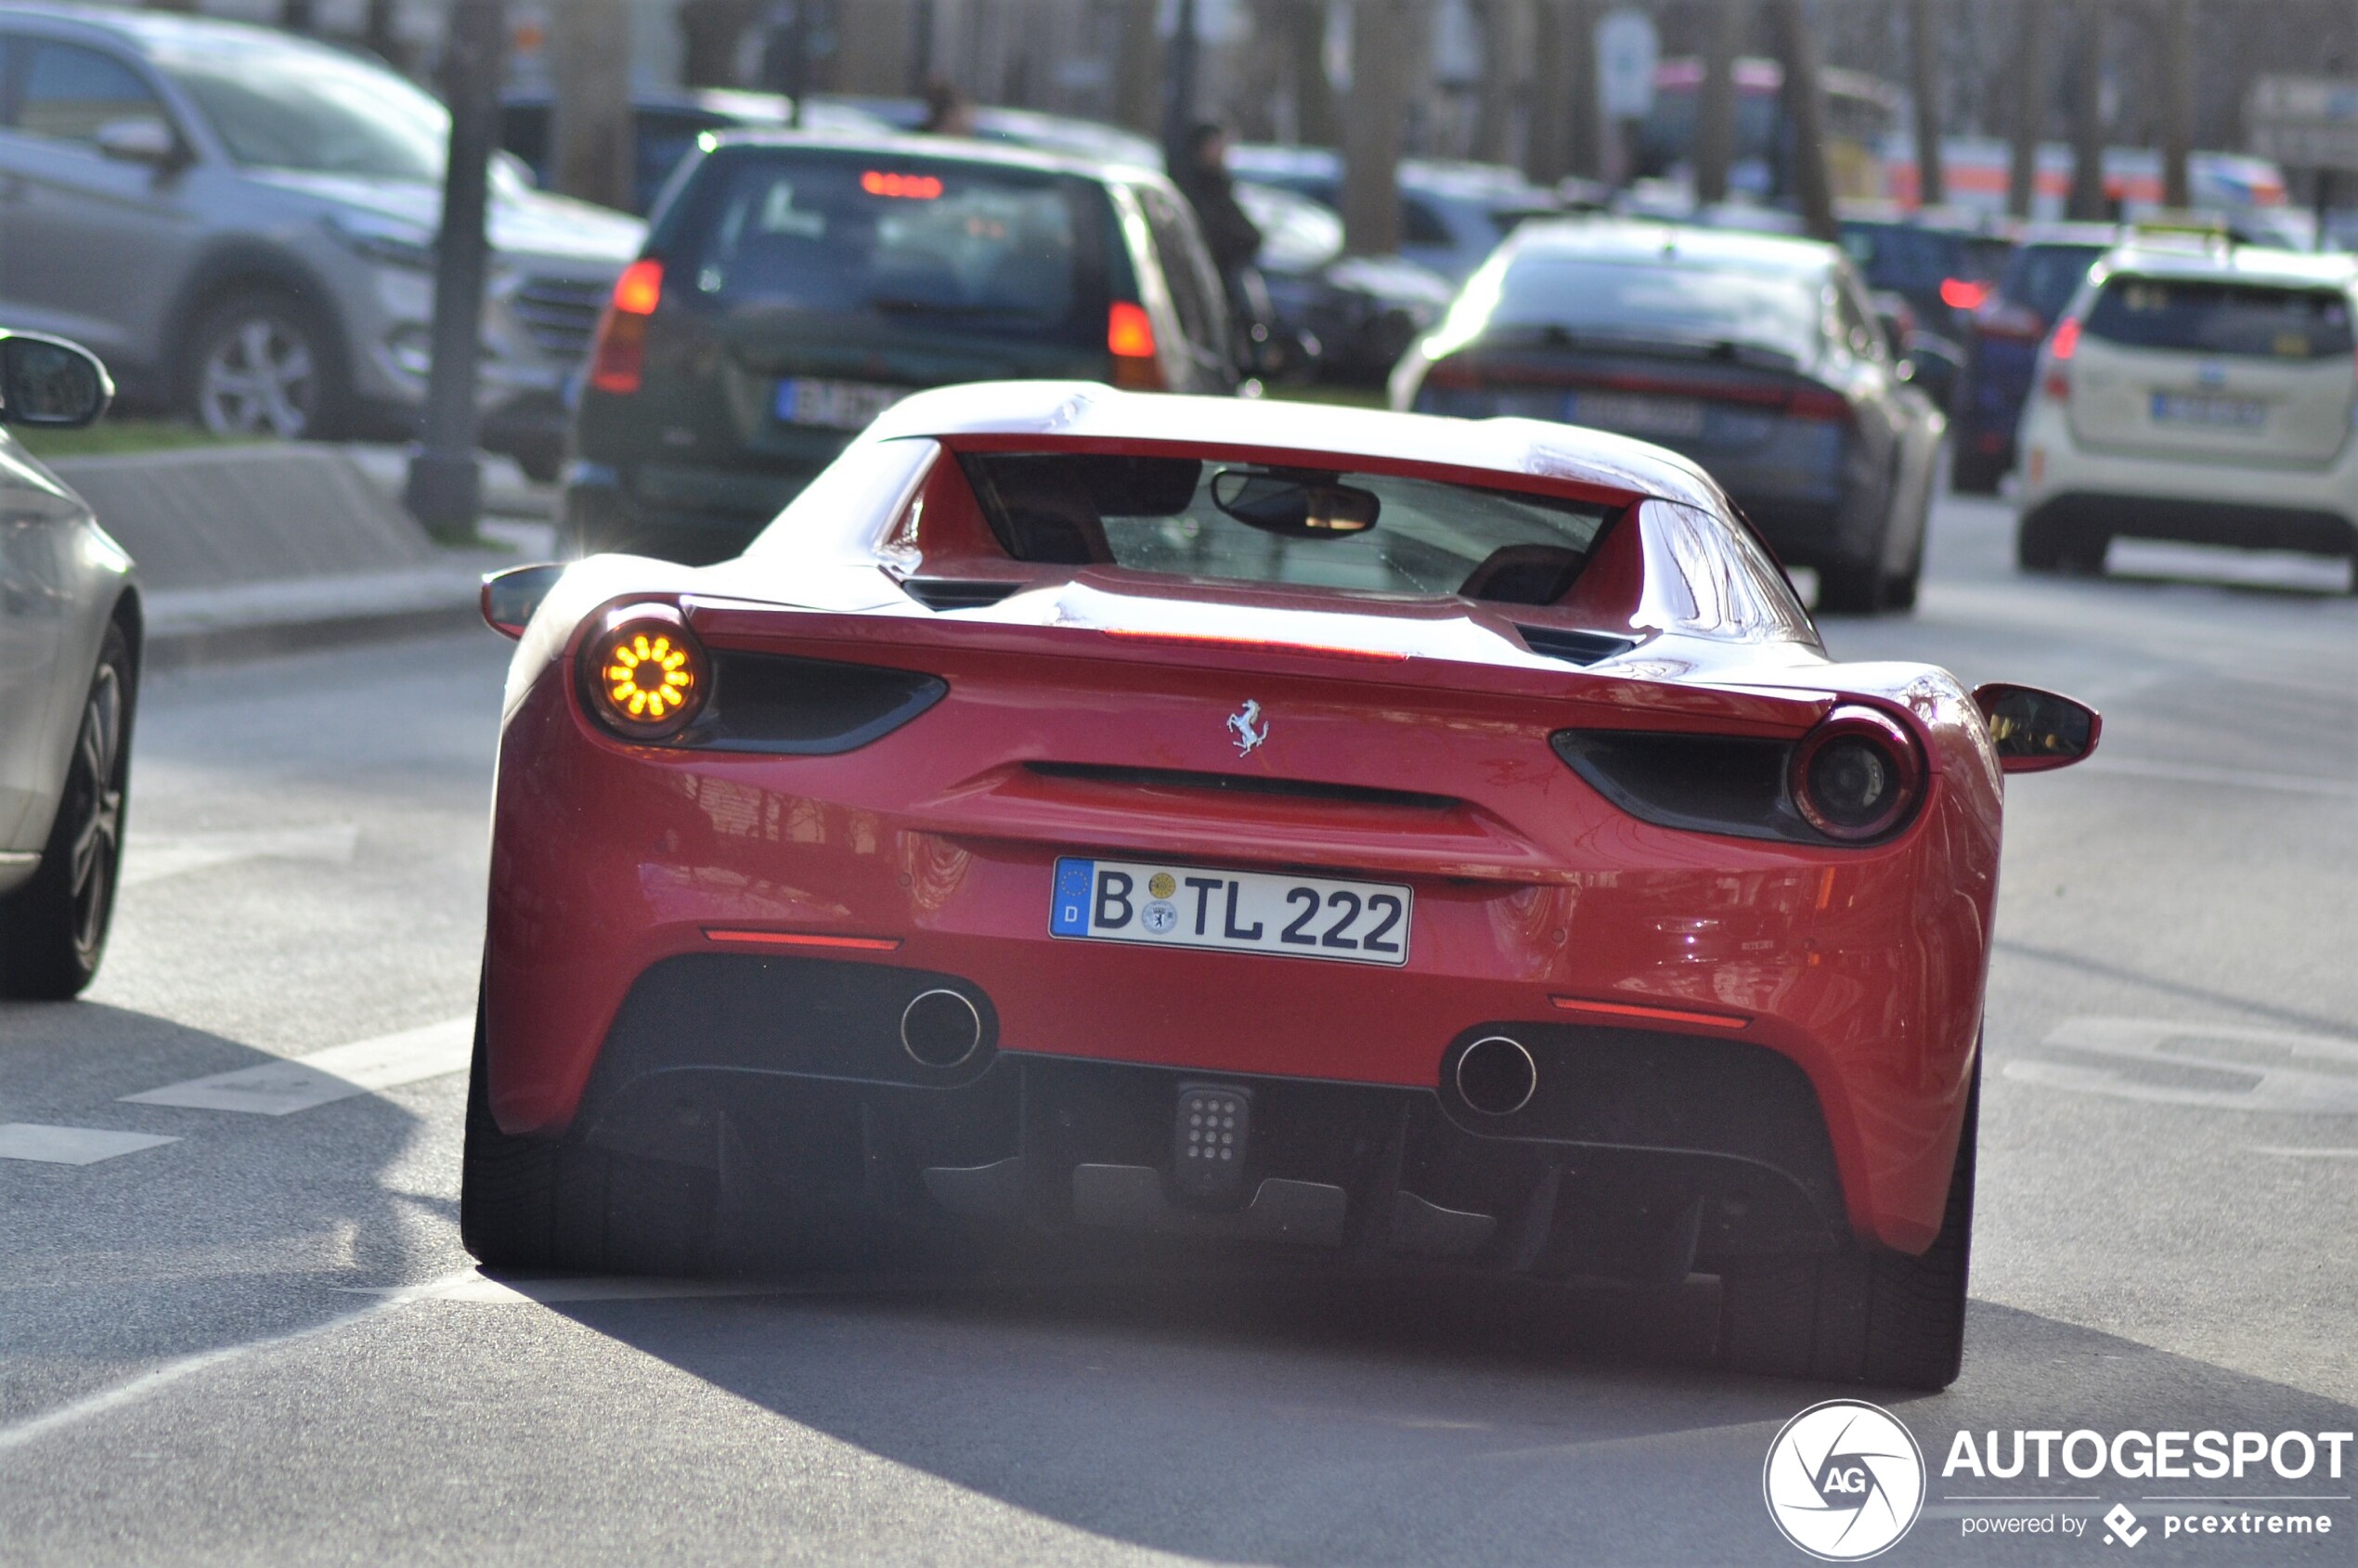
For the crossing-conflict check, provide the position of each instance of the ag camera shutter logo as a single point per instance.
(1844, 1481)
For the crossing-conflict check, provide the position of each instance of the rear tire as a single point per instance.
(1863, 1315)
(1975, 473)
(562, 1203)
(1851, 587)
(2039, 541)
(53, 930)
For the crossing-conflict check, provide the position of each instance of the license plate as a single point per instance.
(2216, 413)
(1239, 910)
(1633, 415)
(835, 404)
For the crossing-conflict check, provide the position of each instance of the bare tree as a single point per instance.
(1804, 104)
(1502, 57)
(2087, 204)
(1382, 40)
(2030, 106)
(1715, 109)
(871, 47)
(1562, 135)
(1924, 59)
(1313, 96)
(1138, 89)
(295, 16)
(710, 31)
(2177, 101)
(591, 152)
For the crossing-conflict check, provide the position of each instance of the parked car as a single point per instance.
(1452, 215)
(1362, 312)
(1756, 355)
(797, 285)
(1942, 267)
(664, 126)
(70, 649)
(953, 870)
(2195, 390)
(2002, 346)
(242, 223)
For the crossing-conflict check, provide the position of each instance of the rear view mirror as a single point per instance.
(511, 598)
(2035, 730)
(50, 383)
(1297, 505)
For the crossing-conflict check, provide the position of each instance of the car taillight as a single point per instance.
(1963, 293)
(1819, 403)
(2060, 349)
(1130, 338)
(644, 675)
(2000, 317)
(1855, 776)
(618, 358)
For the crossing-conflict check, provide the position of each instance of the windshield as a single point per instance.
(2239, 319)
(1003, 250)
(312, 110)
(1779, 313)
(1248, 523)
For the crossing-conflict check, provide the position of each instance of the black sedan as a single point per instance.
(1757, 356)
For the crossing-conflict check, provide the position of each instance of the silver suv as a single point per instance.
(242, 224)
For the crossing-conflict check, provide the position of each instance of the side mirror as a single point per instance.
(138, 141)
(2035, 730)
(511, 598)
(49, 383)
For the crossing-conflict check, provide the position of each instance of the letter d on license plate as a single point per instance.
(1240, 910)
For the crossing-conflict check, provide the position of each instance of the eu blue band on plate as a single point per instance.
(1068, 917)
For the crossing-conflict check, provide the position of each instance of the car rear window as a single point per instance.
(1780, 311)
(1245, 522)
(2044, 276)
(1896, 256)
(952, 247)
(2227, 318)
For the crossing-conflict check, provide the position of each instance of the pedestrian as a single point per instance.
(1202, 178)
(948, 112)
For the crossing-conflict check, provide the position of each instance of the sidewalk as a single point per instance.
(254, 550)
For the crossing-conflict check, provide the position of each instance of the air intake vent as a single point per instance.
(1573, 647)
(948, 593)
(1233, 784)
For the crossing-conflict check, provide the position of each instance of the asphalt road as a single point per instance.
(259, 1341)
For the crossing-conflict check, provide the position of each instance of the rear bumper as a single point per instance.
(1639, 1156)
(2259, 506)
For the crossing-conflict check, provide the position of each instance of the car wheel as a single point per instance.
(53, 930)
(562, 1203)
(264, 364)
(2039, 541)
(1851, 587)
(1975, 473)
(1863, 1315)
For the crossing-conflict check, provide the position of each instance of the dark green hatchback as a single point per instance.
(794, 286)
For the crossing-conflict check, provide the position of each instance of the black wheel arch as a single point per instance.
(237, 267)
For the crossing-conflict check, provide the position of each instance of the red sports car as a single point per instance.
(1409, 840)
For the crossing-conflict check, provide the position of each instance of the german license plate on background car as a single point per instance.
(1240, 910)
(835, 404)
(1633, 415)
(2219, 413)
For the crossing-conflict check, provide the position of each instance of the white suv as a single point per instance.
(2195, 391)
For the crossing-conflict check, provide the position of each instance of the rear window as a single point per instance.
(961, 247)
(1896, 256)
(2044, 276)
(1778, 312)
(1245, 522)
(2226, 318)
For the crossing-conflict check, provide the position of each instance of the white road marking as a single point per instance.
(2224, 778)
(282, 1087)
(153, 857)
(2286, 1151)
(71, 1145)
(2250, 1068)
(156, 1379)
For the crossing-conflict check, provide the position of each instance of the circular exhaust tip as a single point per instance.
(1495, 1075)
(940, 1029)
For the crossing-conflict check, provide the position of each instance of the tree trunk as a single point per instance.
(1804, 104)
(591, 152)
(2177, 102)
(1139, 89)
(2087, 203)
(1313, 96)
(872, 48)
(1374, 124)
(1716, 108)
(295, 16)
(710, 31)
(1503, 51)
(1923, 53)
(2030, 107)
(1546, 146)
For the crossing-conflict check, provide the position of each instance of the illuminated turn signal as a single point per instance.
(643, 673)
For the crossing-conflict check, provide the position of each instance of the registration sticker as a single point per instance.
(1166, 905)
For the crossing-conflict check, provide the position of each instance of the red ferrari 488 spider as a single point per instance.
(1406, 840)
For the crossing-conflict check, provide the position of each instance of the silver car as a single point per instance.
(242, 224)
(69, 647)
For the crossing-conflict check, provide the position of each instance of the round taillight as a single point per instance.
(1857, 775)
(643, 673)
